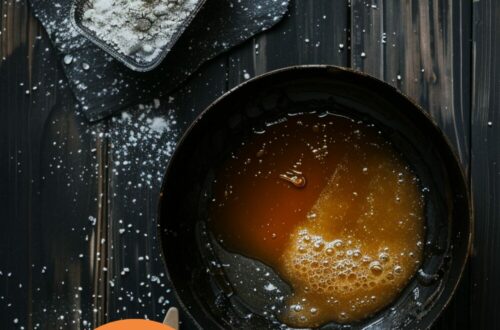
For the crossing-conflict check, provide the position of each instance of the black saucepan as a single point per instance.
(208, 290)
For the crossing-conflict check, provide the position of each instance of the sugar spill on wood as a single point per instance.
(155, 135)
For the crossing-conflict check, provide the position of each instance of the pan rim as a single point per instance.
(331, 69)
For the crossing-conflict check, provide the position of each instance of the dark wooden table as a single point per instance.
(77, 237)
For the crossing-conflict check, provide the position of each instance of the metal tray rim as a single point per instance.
(122, 58)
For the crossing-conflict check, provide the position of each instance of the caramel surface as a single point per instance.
(332, 207)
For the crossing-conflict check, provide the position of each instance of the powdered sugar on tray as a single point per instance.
(141, 29)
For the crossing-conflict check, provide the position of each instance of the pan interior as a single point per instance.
(221, 289)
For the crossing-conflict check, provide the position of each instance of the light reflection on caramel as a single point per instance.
(348, 241)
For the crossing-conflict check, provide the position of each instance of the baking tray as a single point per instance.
(77, 11)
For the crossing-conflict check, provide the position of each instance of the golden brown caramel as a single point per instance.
(332, 207)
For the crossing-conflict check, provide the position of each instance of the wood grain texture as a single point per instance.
(49, 186)
(485, 273)
(422, 48)
(311, 34)
(137, 285)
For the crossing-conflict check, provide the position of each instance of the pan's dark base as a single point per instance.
(202, 287)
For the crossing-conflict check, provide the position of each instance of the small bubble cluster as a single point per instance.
(329, 204)
(341, 269)
(360, 244)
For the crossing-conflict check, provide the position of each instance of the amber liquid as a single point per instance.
(332, 207)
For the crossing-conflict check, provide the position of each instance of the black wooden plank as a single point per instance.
(48, 186)
(66, 221)
(485, 289)
(423, 49)
(15, 284)
(315, 32)
(140, 145)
